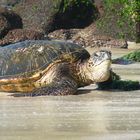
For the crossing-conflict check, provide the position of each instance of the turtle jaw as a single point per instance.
(99, 66)
(101, 72)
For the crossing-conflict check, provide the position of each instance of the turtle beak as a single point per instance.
(100, 56)
(100, 63)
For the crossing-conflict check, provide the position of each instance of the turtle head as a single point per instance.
(98, 66)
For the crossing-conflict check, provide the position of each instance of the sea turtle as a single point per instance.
(43, 67)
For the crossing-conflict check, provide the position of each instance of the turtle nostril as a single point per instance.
(95, 54)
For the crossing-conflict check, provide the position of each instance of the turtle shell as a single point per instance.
(29, 57)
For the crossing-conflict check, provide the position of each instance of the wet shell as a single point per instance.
(30, 57)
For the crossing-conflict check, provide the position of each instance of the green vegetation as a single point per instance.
(76, 13)
(133, 57)
(116, 83)
(77, 3)
(121, 19)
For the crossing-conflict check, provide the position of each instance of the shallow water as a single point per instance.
(91, 115)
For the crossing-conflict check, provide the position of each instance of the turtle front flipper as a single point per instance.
(64, 86)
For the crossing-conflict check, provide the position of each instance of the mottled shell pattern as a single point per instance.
(29, 57)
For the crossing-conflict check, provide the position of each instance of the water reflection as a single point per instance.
(94, 114)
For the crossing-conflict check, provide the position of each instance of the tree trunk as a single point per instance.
(138, 32)
(137, 11)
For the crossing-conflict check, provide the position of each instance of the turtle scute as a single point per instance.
(28, 57)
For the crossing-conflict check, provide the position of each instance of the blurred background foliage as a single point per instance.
(121, 19)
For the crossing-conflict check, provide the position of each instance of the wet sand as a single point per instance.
(91, 115)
